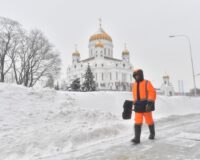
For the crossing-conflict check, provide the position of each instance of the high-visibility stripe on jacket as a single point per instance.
(145, 90)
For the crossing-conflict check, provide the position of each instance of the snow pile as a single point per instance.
(176, 105)
(37, 123)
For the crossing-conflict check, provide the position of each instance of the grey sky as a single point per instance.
(144, 24)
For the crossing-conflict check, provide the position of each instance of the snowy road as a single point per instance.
(177, 137)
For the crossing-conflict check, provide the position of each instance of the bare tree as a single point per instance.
(30, 55)
(43, 59)
(38, 59)
(10, 32)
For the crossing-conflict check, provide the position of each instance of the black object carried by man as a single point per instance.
(128, 105)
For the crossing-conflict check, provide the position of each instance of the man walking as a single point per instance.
(144, 96)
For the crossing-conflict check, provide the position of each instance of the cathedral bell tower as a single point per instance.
(75, 55)
(125, 54)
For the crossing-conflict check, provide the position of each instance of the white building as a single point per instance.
(110, 73)
(167, 88)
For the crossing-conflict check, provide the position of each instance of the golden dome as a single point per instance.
(76, 53)
(99, 44)
(166, 77)
(101, 34)
(125, 52)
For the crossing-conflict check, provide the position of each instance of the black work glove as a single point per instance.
(149, 106)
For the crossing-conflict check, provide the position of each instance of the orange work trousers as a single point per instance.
(147, 115)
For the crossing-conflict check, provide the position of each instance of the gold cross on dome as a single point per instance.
(100, 21)
(125, 46)
(75, 47)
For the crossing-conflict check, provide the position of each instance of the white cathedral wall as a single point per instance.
(124, 73)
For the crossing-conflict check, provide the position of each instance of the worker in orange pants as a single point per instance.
(146, 115)
(144, 96)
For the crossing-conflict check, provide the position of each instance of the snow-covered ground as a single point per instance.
(44, 124)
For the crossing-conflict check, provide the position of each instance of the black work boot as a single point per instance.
(136, 139)
(152, 131)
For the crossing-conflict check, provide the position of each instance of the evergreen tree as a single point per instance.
(75, 86)
(89, 84)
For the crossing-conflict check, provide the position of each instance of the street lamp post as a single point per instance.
(190, 47)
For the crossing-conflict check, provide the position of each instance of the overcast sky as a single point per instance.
(145, 25)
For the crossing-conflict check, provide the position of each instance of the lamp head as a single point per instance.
(171, 36)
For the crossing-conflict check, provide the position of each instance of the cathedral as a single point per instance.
(109, 73)
(167, 88)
